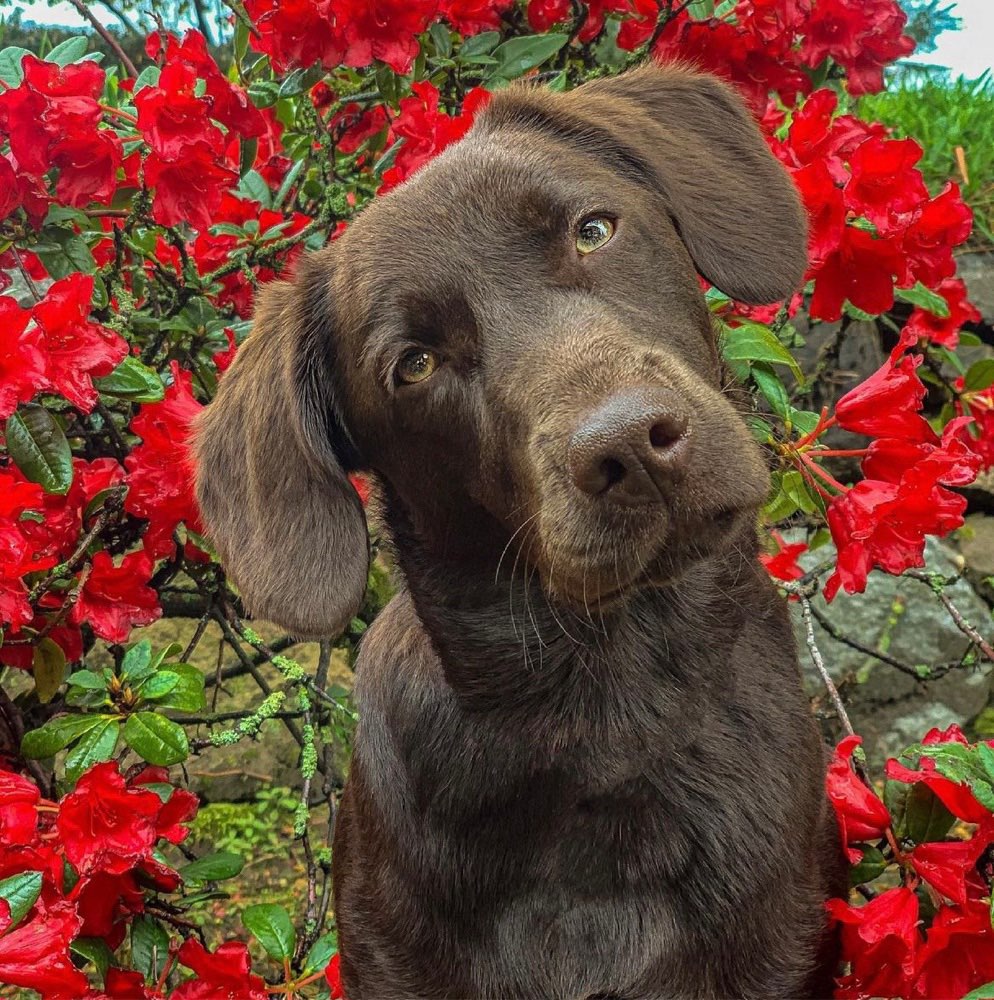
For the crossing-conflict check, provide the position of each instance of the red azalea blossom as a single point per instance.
(860, 812)
(116, 599)
(23, 362)
(887, 403)
(958, 956)
(924, 325)
(35, 954)
(783, 564)
(224, 974)
(76, 349)
(881, 940)
(18, 818)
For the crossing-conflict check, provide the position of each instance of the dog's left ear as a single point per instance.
(690, 136)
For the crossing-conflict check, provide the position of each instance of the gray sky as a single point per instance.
(969, 51)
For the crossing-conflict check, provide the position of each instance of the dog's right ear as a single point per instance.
(272, 455)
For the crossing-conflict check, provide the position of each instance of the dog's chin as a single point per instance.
(585, 586)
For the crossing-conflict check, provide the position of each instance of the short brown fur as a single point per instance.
(585, 766)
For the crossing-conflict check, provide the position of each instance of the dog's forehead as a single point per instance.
(480, 198)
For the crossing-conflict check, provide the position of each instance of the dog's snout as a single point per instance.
(632, 447)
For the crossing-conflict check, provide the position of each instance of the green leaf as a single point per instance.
(253, 186)
(752, 342)
(156, 739)
(10, 64)
(57, 733)
(271, 924)
(39, 448)
(916, 811)
(96, 746)
(441, 38)
(88, 679)
(64, 252)
(188, 694)
(20, 892)
(773, 390)
(213, 867)
(133, 381)
(69, 51)
(149, 947)
(478, 45)
(321, 952)
(518, 55)
(158, 685)
(979, 376)
(869, 867)
(924, 298)
(49, 668)
(288, 182)
(241, 38)
(94, 950)
(148, 77)
(986, 757)
(137, 662)
(249, 148)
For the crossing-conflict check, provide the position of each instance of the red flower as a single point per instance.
(160, 479)
(22, 359)
(76, 349)
(224, 974)
(18, 817)
(941, 224)
(296, 33)
(545, 14)
(333, 974)
(105, 904)
(123, 984)
(859, 810)
(826, 210)
(469, 17)
(880, 940)
(958, 955)
(884, 183)
(35, 954)
(10, 195)
(924, 325)
(887, 403)
(862, 269)
(105, 826)
(956, 797)
(949, 865)
(783, 564)
(116, 599)
(426, 131)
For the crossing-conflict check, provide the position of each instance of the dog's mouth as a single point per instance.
(572, 575)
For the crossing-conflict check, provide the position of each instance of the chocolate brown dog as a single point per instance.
(585, 766)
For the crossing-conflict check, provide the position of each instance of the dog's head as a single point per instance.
(516, 344)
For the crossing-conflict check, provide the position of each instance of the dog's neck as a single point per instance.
(505, 645)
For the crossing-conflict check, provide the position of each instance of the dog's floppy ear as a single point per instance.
(690, 137)
(272, 455)
(733, 204)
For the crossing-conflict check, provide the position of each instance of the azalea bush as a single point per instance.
(141, 206)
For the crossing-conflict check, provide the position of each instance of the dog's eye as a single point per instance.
(416, 366)
(593, 234)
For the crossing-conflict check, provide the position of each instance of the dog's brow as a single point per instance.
(581, 135)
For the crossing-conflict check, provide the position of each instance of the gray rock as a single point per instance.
(977, 270)
(899, 616)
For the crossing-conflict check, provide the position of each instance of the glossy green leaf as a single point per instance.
(189, 693)
(980, 375)
(136, 664)
(925, 298)
(156, 739)
(752, 342)
(10, 64)
(39, 448)
(213, 867)
(133, 381)
(149, 947)
(272, 925)
(19, 892)
(94, 950)
(321, 953)
(916, 812)
(70, 51)
(58, 733)
(158, 685)
(96, 745)
(518, 55)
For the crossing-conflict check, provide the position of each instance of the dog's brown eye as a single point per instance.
(416, 366)
(593, 234)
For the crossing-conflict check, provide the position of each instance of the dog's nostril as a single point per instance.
(667, 431)
(612, 471)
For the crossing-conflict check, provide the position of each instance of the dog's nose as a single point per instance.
(632, 447)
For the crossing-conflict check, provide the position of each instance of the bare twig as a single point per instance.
(106, 36)
(936, 583)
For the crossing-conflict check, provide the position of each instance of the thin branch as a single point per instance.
(106, 36)
(937, 584)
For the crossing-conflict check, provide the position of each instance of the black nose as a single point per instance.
(632, 447)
